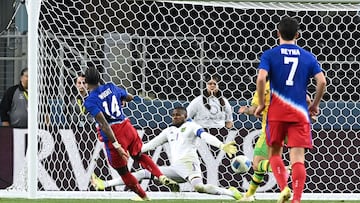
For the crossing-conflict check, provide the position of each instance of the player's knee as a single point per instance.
(123, 170)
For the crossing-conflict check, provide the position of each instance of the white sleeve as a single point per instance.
(228, 111)
(192, 108)
(157, 141)
(211, 139)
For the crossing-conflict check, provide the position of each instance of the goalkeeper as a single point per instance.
(182, 137)
(260, 161)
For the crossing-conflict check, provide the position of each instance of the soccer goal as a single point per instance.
(162, 51)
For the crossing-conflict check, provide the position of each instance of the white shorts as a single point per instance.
(182, 171)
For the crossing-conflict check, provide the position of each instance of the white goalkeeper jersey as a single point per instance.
(213, 118)
(183, 141)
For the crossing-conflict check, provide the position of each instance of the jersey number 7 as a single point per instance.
(294, 65)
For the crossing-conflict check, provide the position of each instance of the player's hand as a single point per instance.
(230, 148)
(124, 155)
(313, 110)
(313, 119)
(242, 109)
(259, 110)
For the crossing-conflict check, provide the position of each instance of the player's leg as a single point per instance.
(147, 163)
(260, 160)
(120, 165)
(298, 172)
(299, 139)
(191, 171)
(277, 132)
(100, 184)
(261, 165)
(198, 185)
(129, 138)
(140, 175)
(134, 148)
(275, 137)
(131, 182)
(279, 172)
(256, 178)
(171, 172)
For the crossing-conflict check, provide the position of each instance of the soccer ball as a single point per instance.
(240, 164)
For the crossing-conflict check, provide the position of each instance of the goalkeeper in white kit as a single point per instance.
(182, 137)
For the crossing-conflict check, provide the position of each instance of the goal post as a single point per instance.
(163, 51)
(33, 10)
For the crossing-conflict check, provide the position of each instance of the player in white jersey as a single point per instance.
(211, 109)
(182, 137)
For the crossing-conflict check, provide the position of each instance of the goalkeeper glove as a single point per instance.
(229, 148)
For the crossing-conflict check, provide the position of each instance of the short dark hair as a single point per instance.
(288, 27)
(212, 77)
(23, 71)
(92, 76)
(81, 75)
(181, 108)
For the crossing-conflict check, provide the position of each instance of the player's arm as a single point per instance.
(157, 141)
(129, 98)
(308, 101)
(125, 96)
(105, 127)
(248, 110)
(320, 90)
(134, 98)
(229, 115)
(229, 147)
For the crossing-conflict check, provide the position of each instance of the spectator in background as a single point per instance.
(211, 109)
(14, 104)
(14, 113)
(76, 112)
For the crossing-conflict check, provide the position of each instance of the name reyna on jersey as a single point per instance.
(105, 93)
(290, 51)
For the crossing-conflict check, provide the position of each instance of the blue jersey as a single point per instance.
(108, 100)
(289, 70)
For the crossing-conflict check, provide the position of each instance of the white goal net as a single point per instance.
(162, 51)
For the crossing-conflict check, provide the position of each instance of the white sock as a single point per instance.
(139, 175)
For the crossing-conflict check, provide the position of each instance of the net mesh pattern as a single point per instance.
(163, 52)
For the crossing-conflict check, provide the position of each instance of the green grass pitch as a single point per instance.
(9, 200)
